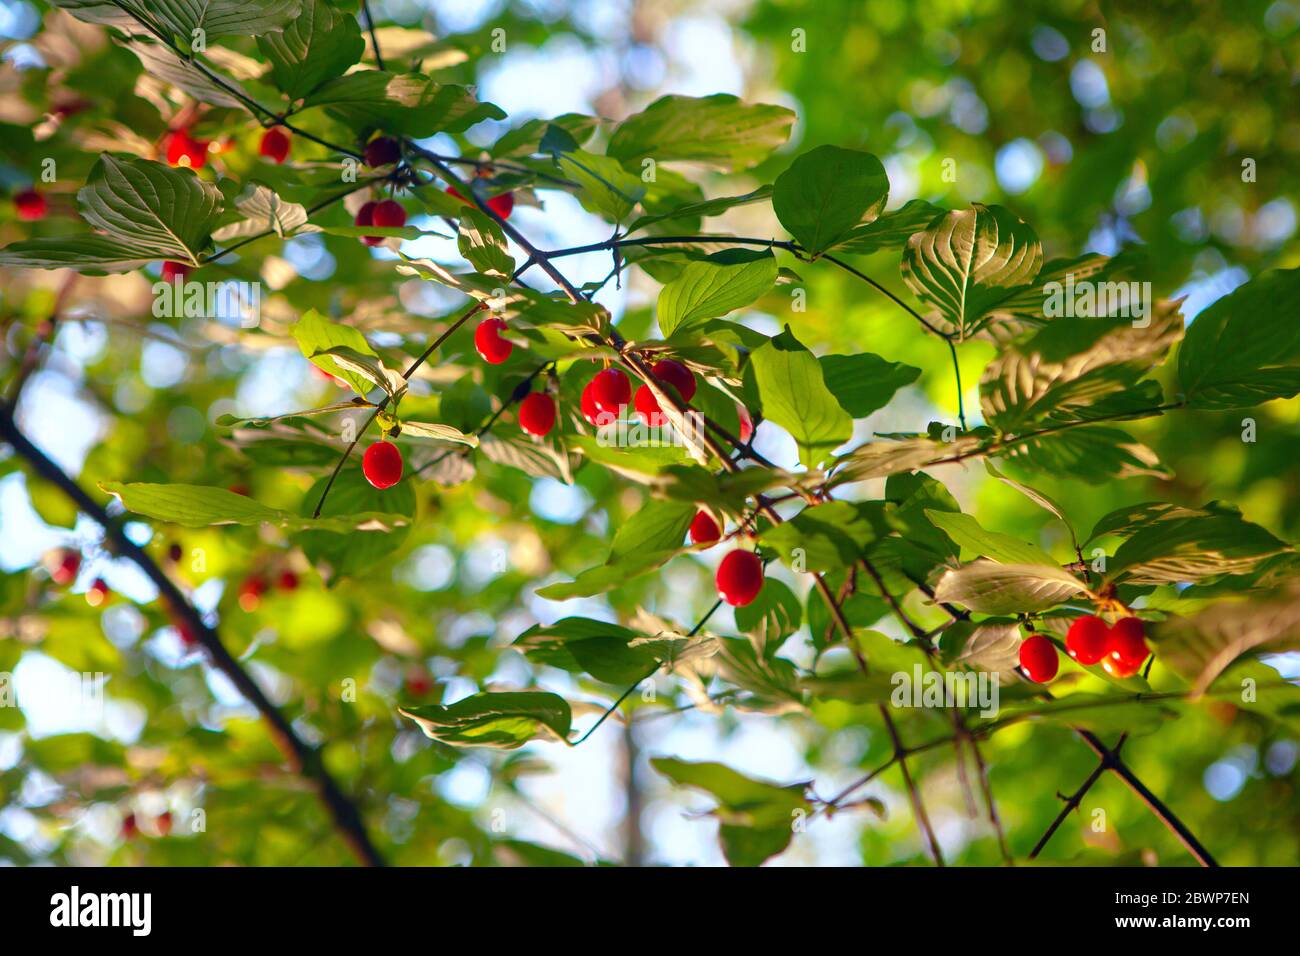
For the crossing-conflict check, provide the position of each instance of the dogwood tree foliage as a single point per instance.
(157, 126)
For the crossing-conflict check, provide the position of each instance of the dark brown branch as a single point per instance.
(1073, 801)
(301, 758)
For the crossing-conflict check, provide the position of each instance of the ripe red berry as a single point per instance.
(130, 828)
(588, 404)
(170, 270)
(251, 591)
(1126, 645)
(489, 343)
(647, 407)
(30, 205)
(1087, 638)
(98, 593)
(275, 145)
(287, 581)
(189, 637)
(704, 530)
(417, 682)
(388, 214)
(610, 391)
(1038, 658)
(185, 150)
(502, 205)
(366, 217)
(382, 151)
(537, 413)
(740, 578)
(746, 423)
(382, 464)
(677, 375)
(174, 552)
(64, 567)
(165, 823)
(1117, 669)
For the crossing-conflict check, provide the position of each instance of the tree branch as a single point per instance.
(302, 758)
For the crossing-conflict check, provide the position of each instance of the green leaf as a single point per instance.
(200, 506)
(440, 432)
(1092, 453)
(992, 588)
(163, 64)
(320, 44)
(316, 336)
(1191, 547)
(264, 212)
(1037, 497)
(406, 104)
(606, 577)
(770, 618)
(503, 721)
(718, 130)
(703, 208)
(89, 254)
(1003, 548)
(1245, 348)
(824, 537)
(216, 18)
(756, 818)
(655, 526)
(604, 186)
(826, 193)
(890, 230)
(793, 391)
(711, 287)
(879, 459)
(966, 262)
(991, 645)
(580, 644)
(1078, 369)
(482, 242)
(865, 383)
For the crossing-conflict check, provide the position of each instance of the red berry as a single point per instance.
(30, 205)
(65, 567)
(677, 375)
(1038, 658)
(251, 591)
(189, 637)
(704, 530)
(489, 343)
(382, 151)
(170, 270)
(746, 423)
(365, 217)
(589, 410)
(417, 682)
(174, 552)
(388, 214)
(287, 581)
(502, 205)
(130, 828)
(165, 823)
(537, 413)
(740, 578)
(275, 145)
(98, 593)
(382, 464)
(1126, 645)
(1116, 669)
(647, 406)
(610, 391)
(1086, 639)
(185, 150)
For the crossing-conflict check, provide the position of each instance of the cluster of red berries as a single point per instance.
(1121, 649)
(255, 585)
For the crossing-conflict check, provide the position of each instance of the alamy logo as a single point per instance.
(946, 689)
(134, 910)
(1087, 300)
(190, 299)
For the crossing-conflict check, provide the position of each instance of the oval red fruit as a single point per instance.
(740, 578)
(502, 205)
(185, 150)
(366, 217)
(382, 464)
(1038, 658)
(65, 568)
(251, 591)
(588, 404)
(130, 828)
(30, 205)
(388, 214)
(382, 151)
(677, 375)
(704, 530)
(610, 391)
(537, 414)
(489, 343)
(1127, 645)
(647, 407)
(165, 823)
(98, 593)
(1117, 669)
(170, 270)
(746, 423)
(1087, 638)
(274, 145)
(287, 581)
